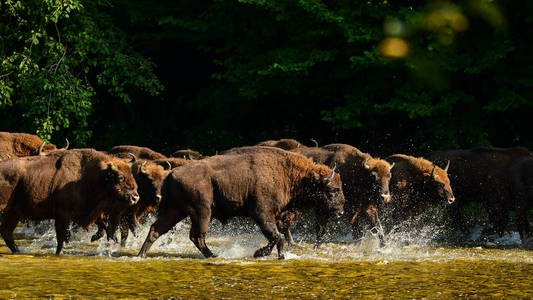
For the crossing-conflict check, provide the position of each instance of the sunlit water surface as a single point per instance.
(411, 265)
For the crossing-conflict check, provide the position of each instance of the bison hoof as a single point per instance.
(265, 251)
(281, 256)
(96, 237)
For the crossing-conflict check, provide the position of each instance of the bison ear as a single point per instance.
(315, 176)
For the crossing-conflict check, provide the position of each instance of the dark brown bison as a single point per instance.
(149, 177)
(23, 144)
(416, 184)
(480, 175)
(365, 182)
(123, 151)
(259, 182)
(76, 185)
(285, 144)
(188, 154)
(521, 187)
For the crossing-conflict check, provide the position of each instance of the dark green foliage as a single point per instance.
(238, 72)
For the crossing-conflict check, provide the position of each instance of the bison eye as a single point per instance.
(120, 178)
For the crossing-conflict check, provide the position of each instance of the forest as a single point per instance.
(385, 76)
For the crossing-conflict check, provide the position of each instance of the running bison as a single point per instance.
(480, 175)
(259, 182)
(521, 187)
(285, 144)
(416, 184)
(23, 144)
(149, 177)
(76, 185)
(123, 151)
(365, 182)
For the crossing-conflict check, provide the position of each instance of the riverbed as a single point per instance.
(412, 264)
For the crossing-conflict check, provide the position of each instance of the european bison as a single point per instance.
(521, 187)
(285, 144)
(188, 154)
(259, 182)
(123, 151)
(416, 184)
(365, 182)
(480, 175)
(76, 185)
(23, 144)
(149, 177)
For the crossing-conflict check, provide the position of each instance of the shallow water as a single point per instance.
(411, 265)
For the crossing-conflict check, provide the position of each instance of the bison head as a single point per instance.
(119, 182)
(378, 175)
(327, 191)
(437, 186)
(149, 177)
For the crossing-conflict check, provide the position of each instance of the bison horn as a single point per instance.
(66, 145)
(169, 165)
(143, 170)
(190, 158)
(392, 166)
(133, 157)
(298, 145)
(447, 165)
(314, 142)
(112, 166)
(365, 163)
(332, 173)
(433, 173)
(40, 150)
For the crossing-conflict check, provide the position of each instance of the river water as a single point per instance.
(413, 264)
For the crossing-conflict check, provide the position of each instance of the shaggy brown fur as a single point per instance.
(416, 184)
(259, 182)
(521, 187)
(123, 151)
(365, 181)
(21, 144)
(285, 144)
(481, 175)
(174, 162)
(76, 185)
(188, 154)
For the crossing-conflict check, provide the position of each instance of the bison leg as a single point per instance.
(61, 226)
(321, 224)
(101, 230)
(373, 216)
(199, 229)
(124, 232)
(270, 230)
(9, 224)
(288, 235)
(161, 226)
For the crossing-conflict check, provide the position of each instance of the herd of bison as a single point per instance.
(273, 183)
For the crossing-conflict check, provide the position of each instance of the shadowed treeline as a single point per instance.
(388, 77)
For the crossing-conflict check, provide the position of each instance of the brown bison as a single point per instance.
(23, 144)
(285, 144)
(123, 151)
(76, 185)
(365, 183)
(416, 184)
(480, 175)
(521, 187)
(149, 176)
(188, 154)
(259, 182)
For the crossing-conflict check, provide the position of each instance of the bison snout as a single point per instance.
(451, 200)
(158, 198)
(386, 197)
(134, 199)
